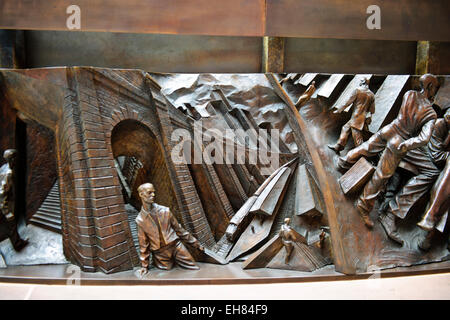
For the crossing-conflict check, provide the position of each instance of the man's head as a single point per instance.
(429, 85)
(10, 156)
(147, 193)
(287, 221)
(364, 82)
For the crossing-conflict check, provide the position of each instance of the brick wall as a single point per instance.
(96, 234)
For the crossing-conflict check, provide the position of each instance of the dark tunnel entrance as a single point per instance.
(139, 159)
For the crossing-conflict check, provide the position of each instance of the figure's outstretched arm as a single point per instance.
(182, 233)
(144, 248)
(422, 138)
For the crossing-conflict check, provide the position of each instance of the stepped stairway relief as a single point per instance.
(132, 213)
(48, 215)
(260, 218)
(236, 181)
(230, 248)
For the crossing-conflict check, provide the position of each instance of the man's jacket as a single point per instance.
(152, 238)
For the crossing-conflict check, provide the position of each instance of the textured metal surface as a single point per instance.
(44, 247)
(400, 20)
(349, 56)
(213, 17)
(149, 52)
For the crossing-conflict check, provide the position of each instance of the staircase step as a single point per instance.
(46, 225)
(53, 211)
(52, 201)
(49, 215)
(388, 100)
(47, 218)
(51, 205)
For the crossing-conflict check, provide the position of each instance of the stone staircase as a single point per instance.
(48, 215)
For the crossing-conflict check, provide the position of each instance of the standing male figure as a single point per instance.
(411, 129)
(287, 238)
(363, 101)
(159, 233)
(8, 225)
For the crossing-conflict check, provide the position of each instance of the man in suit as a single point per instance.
(160, 234)
(363, 101)
(287, 238)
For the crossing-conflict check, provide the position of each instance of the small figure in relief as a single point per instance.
(288, 238)
(8, 224)
(363, 101)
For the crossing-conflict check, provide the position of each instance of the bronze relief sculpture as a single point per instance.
(114, 132)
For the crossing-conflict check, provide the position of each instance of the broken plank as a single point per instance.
(261, 257)
(308, 200)
(330, 85)
(271, 197)
(386, 97)
(256, 232)
(205, 110)
(306, 79)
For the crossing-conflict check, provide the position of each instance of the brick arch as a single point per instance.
(134, 138)
(126, 112)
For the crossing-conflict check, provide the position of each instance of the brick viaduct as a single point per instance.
(91, 103)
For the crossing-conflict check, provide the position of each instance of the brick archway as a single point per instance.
(134, 138)
(83, 114)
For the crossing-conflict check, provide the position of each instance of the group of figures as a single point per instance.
(417, 137)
